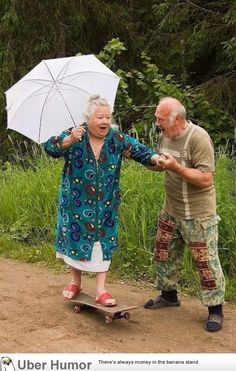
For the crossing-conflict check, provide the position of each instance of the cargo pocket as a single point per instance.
(210, 222)
(209, 227)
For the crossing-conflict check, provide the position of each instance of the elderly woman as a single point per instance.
(87, 224)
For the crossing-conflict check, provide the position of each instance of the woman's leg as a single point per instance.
(73, 288)
(101, 288)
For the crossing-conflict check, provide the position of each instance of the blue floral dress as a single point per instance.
(89, 194)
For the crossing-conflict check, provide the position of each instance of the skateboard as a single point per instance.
(86, 302)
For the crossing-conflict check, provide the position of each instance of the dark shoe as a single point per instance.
(214, 323)
(160, 302)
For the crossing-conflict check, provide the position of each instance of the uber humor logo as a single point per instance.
(6, 364)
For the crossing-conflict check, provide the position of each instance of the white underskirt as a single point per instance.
(96, 264)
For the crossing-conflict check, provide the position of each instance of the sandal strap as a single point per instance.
(215, 318)
(160, 302)
(214, 322)
(72, 287)
(102, 299)
(104, 296)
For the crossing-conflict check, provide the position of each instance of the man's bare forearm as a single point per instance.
(194, 176)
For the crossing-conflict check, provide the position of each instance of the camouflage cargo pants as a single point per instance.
(201, 235)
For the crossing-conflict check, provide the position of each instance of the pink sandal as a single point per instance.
(73, 291)
(103, 298)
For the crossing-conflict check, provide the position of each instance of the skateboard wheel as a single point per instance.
(127, 316)
(77, 309)
(108, 319)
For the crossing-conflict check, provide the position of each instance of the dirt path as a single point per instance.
(35, 319)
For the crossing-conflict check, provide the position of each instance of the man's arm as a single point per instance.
(193, 176)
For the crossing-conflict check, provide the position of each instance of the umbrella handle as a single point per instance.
(77, 132)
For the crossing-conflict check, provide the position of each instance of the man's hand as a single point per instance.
(190, 175)
(167, 162)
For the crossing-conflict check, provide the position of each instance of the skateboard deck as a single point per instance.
(86, 302)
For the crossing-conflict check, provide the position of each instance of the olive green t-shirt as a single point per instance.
(194, 149)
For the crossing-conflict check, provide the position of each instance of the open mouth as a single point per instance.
(159, 129)
(103, 128)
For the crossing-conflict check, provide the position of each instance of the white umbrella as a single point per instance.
(52, 96)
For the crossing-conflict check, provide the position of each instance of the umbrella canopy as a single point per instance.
(52, 96)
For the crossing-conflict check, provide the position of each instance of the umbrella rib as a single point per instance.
(83, 72)
(65, 77)
(29, 97)
(34, 93)
(55, 83)
(24, 80)
(64, 83)
(64, 68)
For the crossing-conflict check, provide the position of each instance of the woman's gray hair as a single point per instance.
(94, 102)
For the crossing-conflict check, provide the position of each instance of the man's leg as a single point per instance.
(167, 255)
(204, 249)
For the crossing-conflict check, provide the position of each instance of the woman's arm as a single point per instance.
(58, 146)
(139, 152)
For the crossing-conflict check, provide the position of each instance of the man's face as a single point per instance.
(100, 122)
(169, 128)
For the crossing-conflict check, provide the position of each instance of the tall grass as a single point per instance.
(142, 197)
(28, 199)
(226, 207)
(28, 208)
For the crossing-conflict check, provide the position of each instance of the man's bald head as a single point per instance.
(172, 107)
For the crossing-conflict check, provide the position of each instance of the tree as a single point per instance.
(199, 46)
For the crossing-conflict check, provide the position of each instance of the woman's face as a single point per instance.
(99, 122)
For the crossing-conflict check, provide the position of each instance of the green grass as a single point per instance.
(42, 254)
(142, 197)
(28, 199)
(226, 207)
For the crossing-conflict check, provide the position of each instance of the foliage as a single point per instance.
(150, 85)
(190, 41)
(108, 56)
(200, 38)
(32, 31)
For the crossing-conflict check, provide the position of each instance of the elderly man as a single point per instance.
(189, 212)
